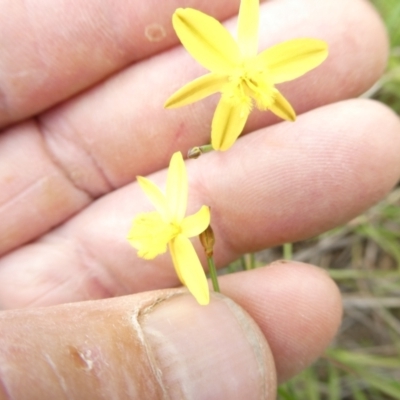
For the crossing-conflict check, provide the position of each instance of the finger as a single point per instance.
(165, 343)
(53, 51)
(281, 184)
(154, 346)
(104, 138)
(297, 306)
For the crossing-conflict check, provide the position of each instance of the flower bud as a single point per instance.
(207, 240)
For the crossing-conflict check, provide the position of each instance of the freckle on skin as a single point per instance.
(9, 178)
(155, 32)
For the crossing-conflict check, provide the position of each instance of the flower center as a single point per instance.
(150, 234)
(251, 81)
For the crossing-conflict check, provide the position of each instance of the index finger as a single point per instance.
(55, 49)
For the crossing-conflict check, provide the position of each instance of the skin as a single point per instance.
(81, 121)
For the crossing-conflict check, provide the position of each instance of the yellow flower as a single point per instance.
(237, 71)
(151, 232)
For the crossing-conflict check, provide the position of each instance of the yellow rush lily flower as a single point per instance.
(237, 71)
(151, 232)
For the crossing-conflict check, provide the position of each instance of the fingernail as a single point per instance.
(207, 352)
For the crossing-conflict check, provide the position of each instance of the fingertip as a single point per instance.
(368, 57)
(212, 352)
(297, 307)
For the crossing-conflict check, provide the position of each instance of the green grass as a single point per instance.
(388, 88)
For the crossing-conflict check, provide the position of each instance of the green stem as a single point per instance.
(206, 148)
(248, 261)
(287, 251)
(196, 152)
(213, 274)
(243, 263)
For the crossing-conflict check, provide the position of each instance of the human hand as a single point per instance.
(72, 165)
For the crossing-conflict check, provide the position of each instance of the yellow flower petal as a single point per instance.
(196, 223)
(206, 39)
(289, 60)
(196, 90)
(150, 235)
(175, 262)
(177, 188)
(188, 266)
(228, 122)
(248, 27)
(282, 108)
(155, 195)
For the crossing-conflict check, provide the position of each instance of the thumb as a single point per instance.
(155, 345)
